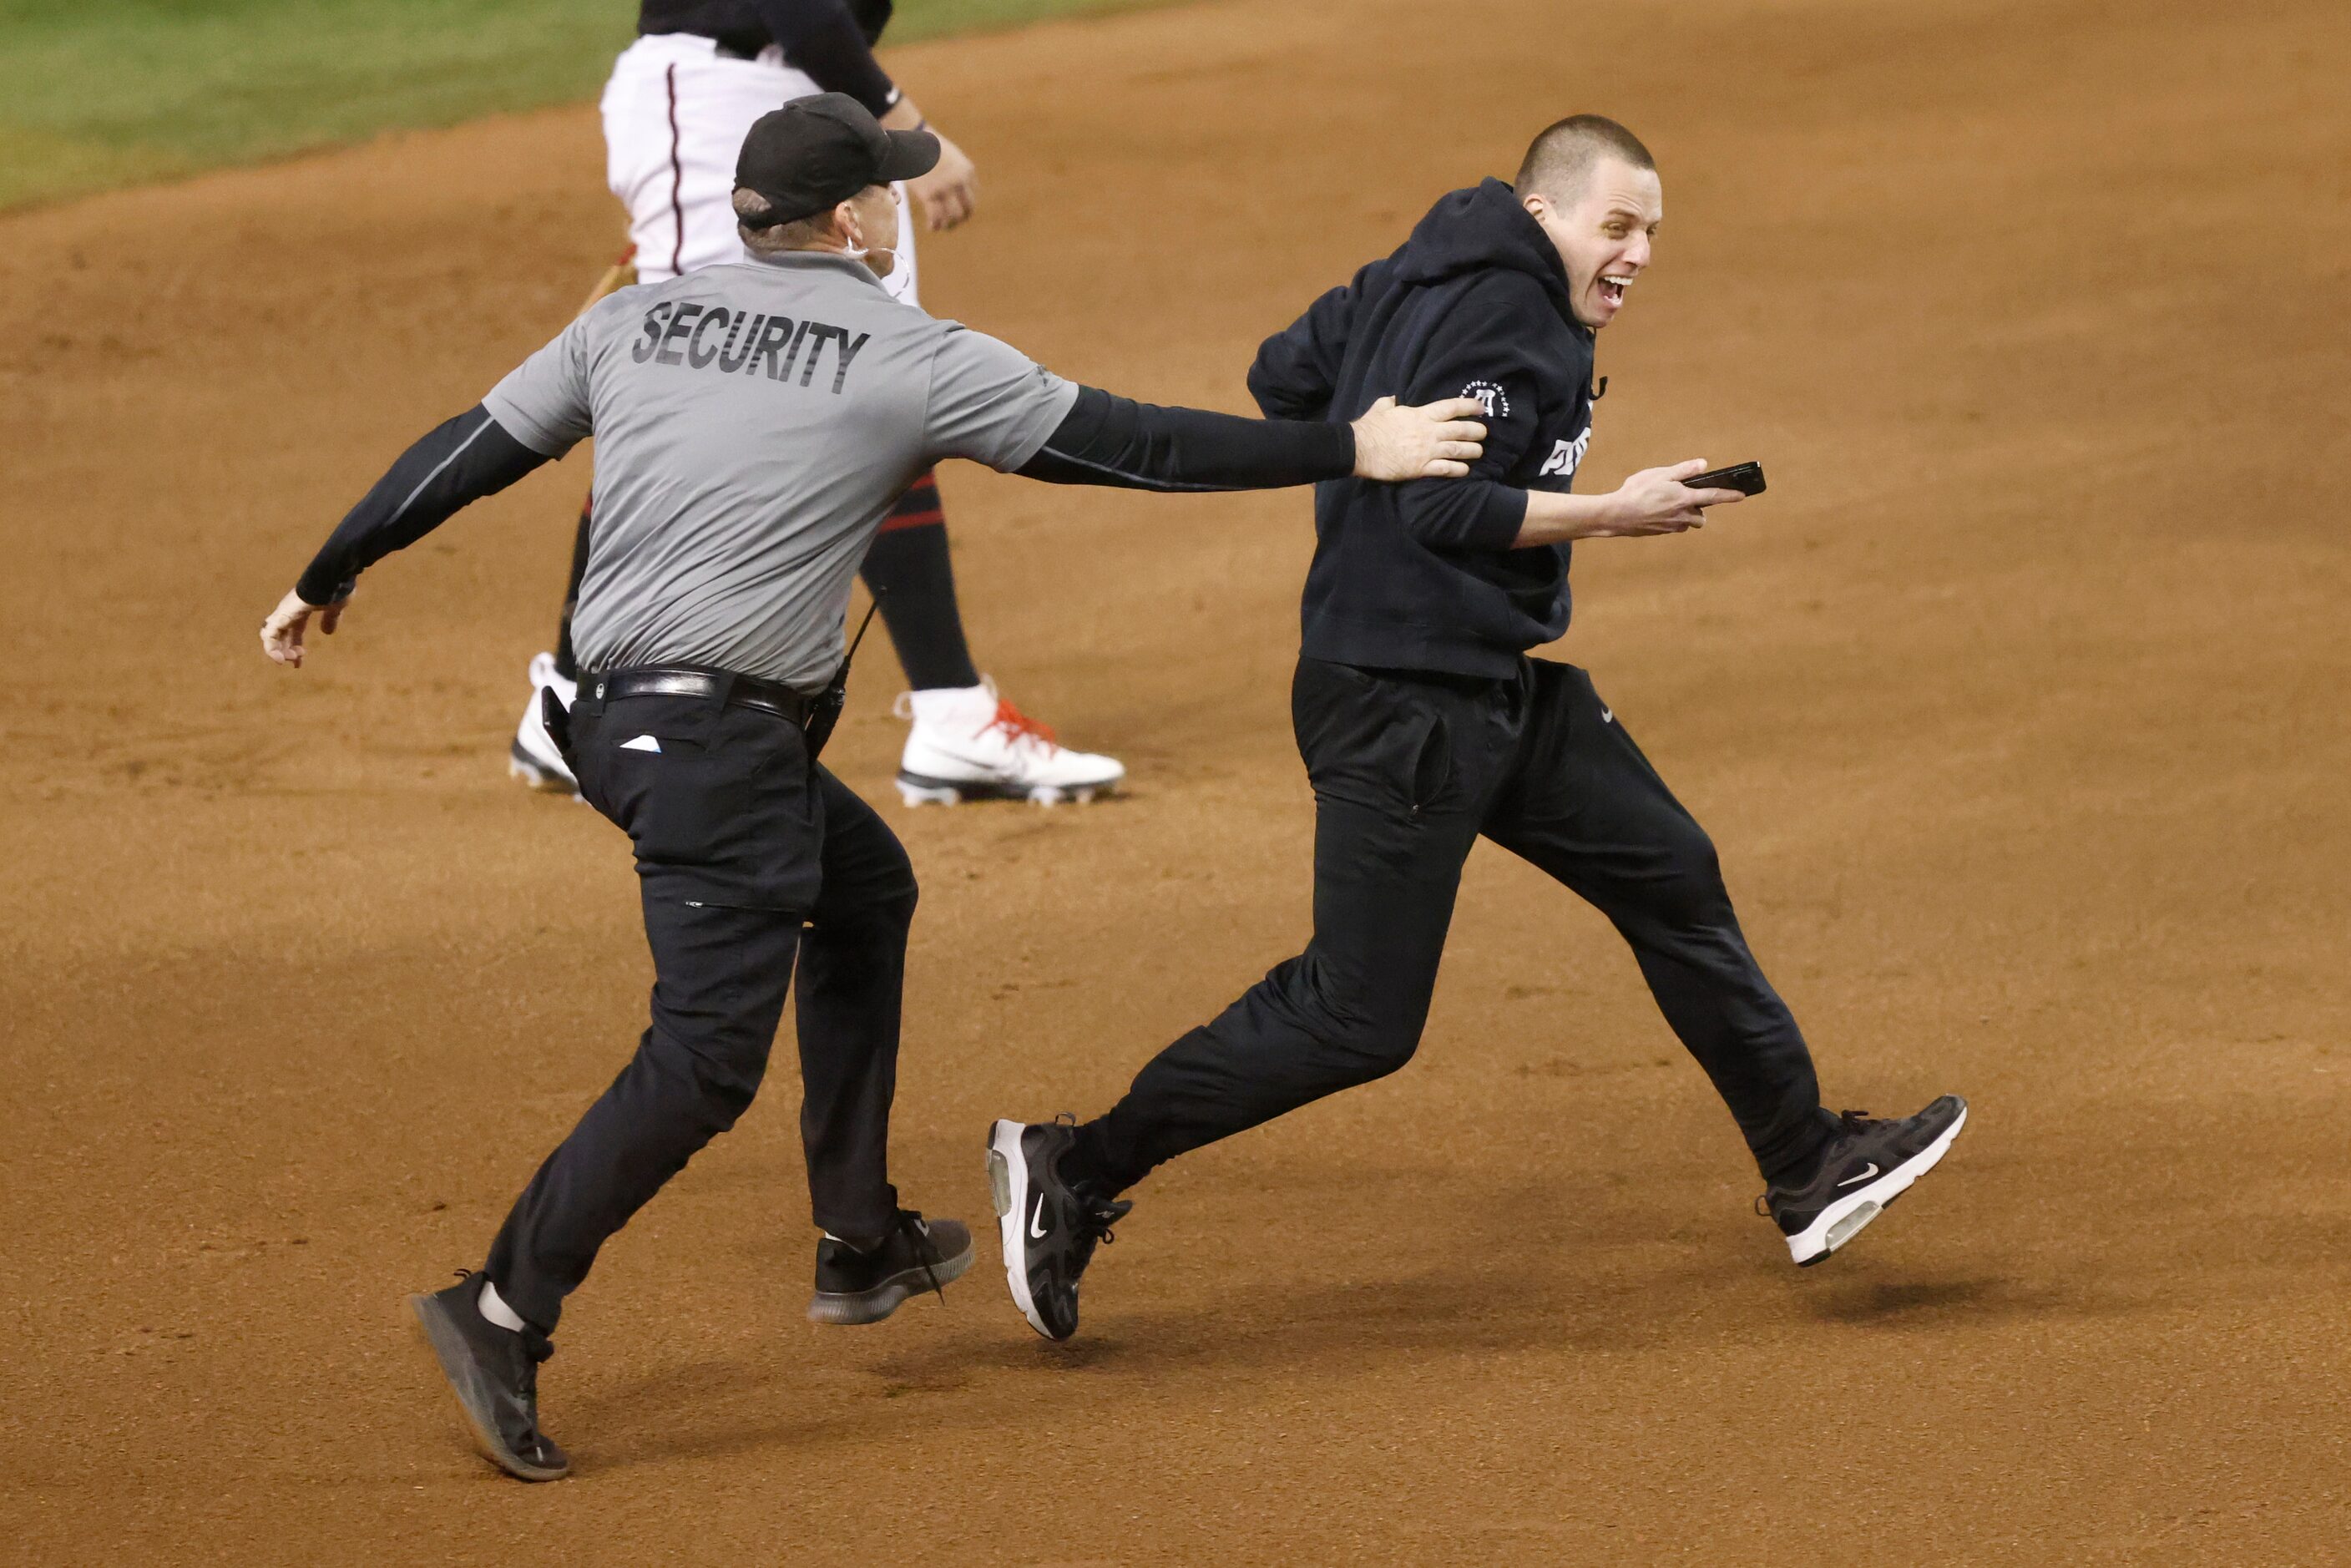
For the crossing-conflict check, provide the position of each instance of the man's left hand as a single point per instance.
(281, 634)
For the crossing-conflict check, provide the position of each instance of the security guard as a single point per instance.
(754, 422)
(675, 110)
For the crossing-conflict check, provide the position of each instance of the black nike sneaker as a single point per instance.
(494, 1371)
(864, 1287)
(1868, 1164)
(1050, 1228)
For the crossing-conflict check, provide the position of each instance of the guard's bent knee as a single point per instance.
(886, 919)
(877, 898)
(720, 1074)
(727, 1091)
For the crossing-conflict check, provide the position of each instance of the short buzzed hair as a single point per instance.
(774, 239)
(1561, 158)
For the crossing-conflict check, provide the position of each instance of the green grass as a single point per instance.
(95, 94)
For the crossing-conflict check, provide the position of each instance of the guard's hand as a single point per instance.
(281, 634)
(950, 190)
(1432, 441)
(1656, 501)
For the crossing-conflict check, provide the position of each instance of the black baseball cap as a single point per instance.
(814, 153)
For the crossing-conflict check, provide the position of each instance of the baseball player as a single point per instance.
(675, 110)
(1423, 725)
(754, 420)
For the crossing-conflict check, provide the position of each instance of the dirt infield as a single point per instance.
(2017, 707)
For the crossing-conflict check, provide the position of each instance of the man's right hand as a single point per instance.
(1656, 501)
(281, 633)
(1432, 441)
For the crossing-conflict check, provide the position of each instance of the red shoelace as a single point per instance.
(1016, 724)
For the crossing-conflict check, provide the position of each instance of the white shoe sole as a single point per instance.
(918, 791)
(1846, 1218)
(1007, 1183)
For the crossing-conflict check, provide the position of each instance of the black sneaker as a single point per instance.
(864, 1287)
(1868, 1164)
(1049, 1227)
(494, 1371)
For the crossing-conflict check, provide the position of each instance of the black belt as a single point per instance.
(687, 681)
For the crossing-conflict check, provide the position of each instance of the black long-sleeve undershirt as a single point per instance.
(1109, 439)
(1103, 440)
(830, 41)
(452, 465)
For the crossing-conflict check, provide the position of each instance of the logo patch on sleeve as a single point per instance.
(1490, 397)
(1565, 456)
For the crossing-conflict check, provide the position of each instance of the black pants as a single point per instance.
(1408, 771)
(751, 862)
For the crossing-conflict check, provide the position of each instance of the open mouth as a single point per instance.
(1611, 289)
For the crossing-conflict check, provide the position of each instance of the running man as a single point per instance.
(1424, 725)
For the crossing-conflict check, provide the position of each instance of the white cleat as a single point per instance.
(968, 744)
(533, 757)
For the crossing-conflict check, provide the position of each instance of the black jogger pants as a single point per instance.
(752, 864)
(1408, 771)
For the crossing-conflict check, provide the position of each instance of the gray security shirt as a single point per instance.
(754, 424)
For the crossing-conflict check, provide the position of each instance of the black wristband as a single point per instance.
(317, 594)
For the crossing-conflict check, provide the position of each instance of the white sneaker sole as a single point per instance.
(1846, 1218)
(1007, 1183)
(918, 791)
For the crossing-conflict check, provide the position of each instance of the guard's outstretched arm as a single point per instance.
(451, 466)
(1109, 439)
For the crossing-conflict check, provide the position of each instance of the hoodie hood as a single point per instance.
(1480, 227)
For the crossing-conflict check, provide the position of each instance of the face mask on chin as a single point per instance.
(866, 253)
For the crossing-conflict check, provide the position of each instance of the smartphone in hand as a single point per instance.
(1747, 478)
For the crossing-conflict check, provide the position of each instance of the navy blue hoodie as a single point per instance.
(1423, 576)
